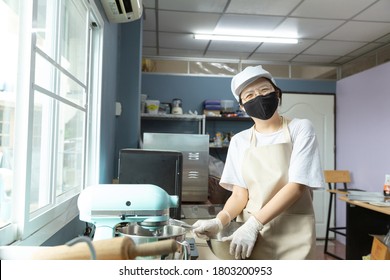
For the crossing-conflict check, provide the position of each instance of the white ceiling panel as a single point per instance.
(328, 31)
(267, 7)
(181, 41)
(247, 24)
(215, 6)
(315, 58)
(308, 28)
(150, 22)
(331, 9)
(233, 46)
(149, 39)
(149, 3)
(383, 40)
(333, 48)
(149, 51)
(360, 31)
(365, 49)
(170, 21)
(380, 11)
(285, 48)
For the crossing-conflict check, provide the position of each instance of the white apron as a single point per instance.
(291, 235)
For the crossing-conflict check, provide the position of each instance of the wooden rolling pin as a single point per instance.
(118, 248)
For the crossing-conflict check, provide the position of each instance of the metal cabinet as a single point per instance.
(195, 150)
(169, 123)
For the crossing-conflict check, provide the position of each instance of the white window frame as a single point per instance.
(25, 230)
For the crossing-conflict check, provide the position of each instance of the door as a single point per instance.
(319, 109)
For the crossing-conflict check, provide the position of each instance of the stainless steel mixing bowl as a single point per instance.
(142, 235)
(221, 248)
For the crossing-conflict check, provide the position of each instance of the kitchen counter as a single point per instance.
(26, 252)
(362, 221)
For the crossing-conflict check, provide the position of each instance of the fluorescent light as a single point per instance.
(246, 38)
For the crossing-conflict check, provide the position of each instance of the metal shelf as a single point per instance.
(201, 119)
(228, 119)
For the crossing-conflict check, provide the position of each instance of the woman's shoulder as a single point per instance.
(243, 135)
(302, 127)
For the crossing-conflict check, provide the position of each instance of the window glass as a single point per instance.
(71, 90)
(9, 30)
(44, 26)
(44, 85)
(59, 107)
(41, 157)
(44, 73)
(73, 39)
(69, 151)
(213, 68)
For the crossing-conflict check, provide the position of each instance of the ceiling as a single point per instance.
(331, 32)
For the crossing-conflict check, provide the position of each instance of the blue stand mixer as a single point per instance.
(108, 205)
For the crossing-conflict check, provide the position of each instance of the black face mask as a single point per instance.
(263, 106)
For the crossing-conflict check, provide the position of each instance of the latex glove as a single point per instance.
(206, 228)
(244, 238)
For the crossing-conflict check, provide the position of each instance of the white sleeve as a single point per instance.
(232, 174)
(305, 163)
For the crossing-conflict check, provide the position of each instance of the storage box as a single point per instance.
(379, 251)
(217, 194)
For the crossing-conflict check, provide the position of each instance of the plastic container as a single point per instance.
(152, 106)
(227, 106)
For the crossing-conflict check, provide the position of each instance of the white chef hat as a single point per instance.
(247, 76)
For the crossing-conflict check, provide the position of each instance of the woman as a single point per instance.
(271, 169)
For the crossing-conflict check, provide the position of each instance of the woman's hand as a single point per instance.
(206, 228)
(244, 238)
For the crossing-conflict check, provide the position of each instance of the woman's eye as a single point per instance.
(249, 96)
(265, 90)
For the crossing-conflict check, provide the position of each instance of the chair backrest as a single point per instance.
(337, 176)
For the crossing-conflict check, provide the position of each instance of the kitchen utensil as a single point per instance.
(140, 235)
(118, 248)
(174, 222)
(221, 248)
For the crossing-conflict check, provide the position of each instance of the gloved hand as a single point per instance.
(206, 228)
(244, 238)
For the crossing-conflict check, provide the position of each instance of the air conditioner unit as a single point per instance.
(119, 11)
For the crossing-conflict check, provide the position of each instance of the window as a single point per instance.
(49, 115)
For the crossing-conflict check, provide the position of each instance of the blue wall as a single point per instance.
(193, 90)
(109, 89)
(129, 88)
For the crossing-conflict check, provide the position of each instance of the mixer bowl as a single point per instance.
(221, 248)
(142, 235)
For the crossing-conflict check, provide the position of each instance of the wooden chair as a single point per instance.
(333, 178)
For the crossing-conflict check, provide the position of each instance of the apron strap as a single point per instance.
(286, 131)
